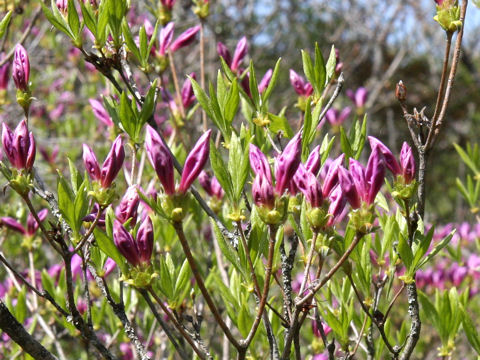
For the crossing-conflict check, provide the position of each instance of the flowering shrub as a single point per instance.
(297, 244)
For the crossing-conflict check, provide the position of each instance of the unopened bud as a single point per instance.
(401, 91)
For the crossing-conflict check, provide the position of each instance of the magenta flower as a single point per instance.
(161, 160)
(286, 164)
(211, 185)
(32, 225)
(259, 162)
(359, 97)
(366, 182)
(262, 86)
(168, 4)
(111, 166)
(313, 162)
(337, 205)
(339, 64)
(185, 38)
(127, 209)
(100, 112)
(262, 192)
(195, 162)
(300, 85)
(21, 68)
(331, 177)
(239, 54)
(136, 251)
(62, 5)
(312, 189)
(187, 95)
(390, 160)
(166, 37)
(336, 118)
(4, 74)
(407, 163)
(19, 146)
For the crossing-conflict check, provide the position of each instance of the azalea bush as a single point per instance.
(153, 209)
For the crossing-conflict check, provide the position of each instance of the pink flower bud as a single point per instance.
(374, 175)
(239, 54)
(359, 97)
(161, 160)
(259, 162)
(313, 161)
(19, 146)
(331, 179)
(32, 224)
(166, 36)
(348, 188)
(21, 68)
(195, 162)
(337, 204)
(211, 185)
(125, 243)
(91, 163)
(286, 164)
(62, 5)
(4, 74)
(299, 84)
(262, 192)
(357, 172)
(100, 112)
(168, 4)
(390, 160)
(127, 209)
(185, 38)
(188, 97)
(407, 162)
(12, 224)
(145, 240)
(224, 53)
(336, 118)
(313, 190)
(262, 86)
(113, 163)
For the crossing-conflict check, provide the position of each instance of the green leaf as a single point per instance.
(471, 331)
(279, 124)
(221, 173)
(466, 159)
(436, 249)
(147, 110)
(345, 144)
(308, 67)
(183, 278)
(238, 165)
(56, 18)
(243, 320)
(89, 17)
(75, 177)
(80, 204)
(405, 252)
(21, 306)
(231, 106)
(319, 71)
(360, 137)
(106, 244)
(228, 251)
(73, 20)
(65, 201)
(143, 42)
(128, 118)
(271, 85)
(4, 23)
(47, 283)
(307, 128)
(422, 248)
(331, 64)
(254, 86)
(132, 46)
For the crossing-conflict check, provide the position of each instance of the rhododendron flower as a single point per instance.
(211, 185)
(139, 250)
(127, 209)
(19, 146)
(111, 166)
(32, 224)
(238, 56)
(300, 85)
(359, 97)
(286, 164)
(100, 112)
(21, 68)
(337, 118)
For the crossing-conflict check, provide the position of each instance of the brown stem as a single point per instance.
(201, 285)
(393, 301)
(90, 230)
(306, 274)
(175, 83)
(177, 325)
(266, 287)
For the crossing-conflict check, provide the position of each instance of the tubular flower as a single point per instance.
(211, 185)
(336, 118)
(187, 95)
(359, 97)
(300, 85)
(32, 225)
(19, 146)
(407, 162)
(127, 209)
(390, 160)
(195, 162)
(4, 74)
(286, 164)
(136, 251)
(185, 38)
(111, 166)
(238, 56)
(161, 160)
(100, 112)
(262, 192)
(331, 178)
(166, 37)
(259, 162)
(262, 86)
(21, 68)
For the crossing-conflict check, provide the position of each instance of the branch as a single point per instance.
(18, 334)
